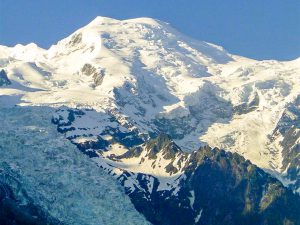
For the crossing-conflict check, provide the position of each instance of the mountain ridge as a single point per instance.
(151, 77)
(118, 84)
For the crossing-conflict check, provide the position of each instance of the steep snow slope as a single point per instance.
(150, 79)
(55, 175)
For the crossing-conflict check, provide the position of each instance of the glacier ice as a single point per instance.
(59, 178)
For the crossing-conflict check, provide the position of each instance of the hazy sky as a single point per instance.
(260, 29)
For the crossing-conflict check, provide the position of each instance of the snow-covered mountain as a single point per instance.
(116, 84)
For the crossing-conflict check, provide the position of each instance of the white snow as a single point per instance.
(159, 73)
(197, 219)
(192, 198)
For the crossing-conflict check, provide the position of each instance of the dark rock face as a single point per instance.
(98, 75)
(76, 39)
(4, 81)
(210, 187)
(231, 190)
(65, 124)
(225, 188)
(248, 106)
(288, 128)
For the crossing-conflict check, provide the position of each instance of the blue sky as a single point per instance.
(260, 29)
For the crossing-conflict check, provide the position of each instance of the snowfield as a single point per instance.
(152, 79)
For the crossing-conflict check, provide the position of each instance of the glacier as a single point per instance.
(60, 180)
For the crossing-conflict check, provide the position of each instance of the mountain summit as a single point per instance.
(139, 98)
